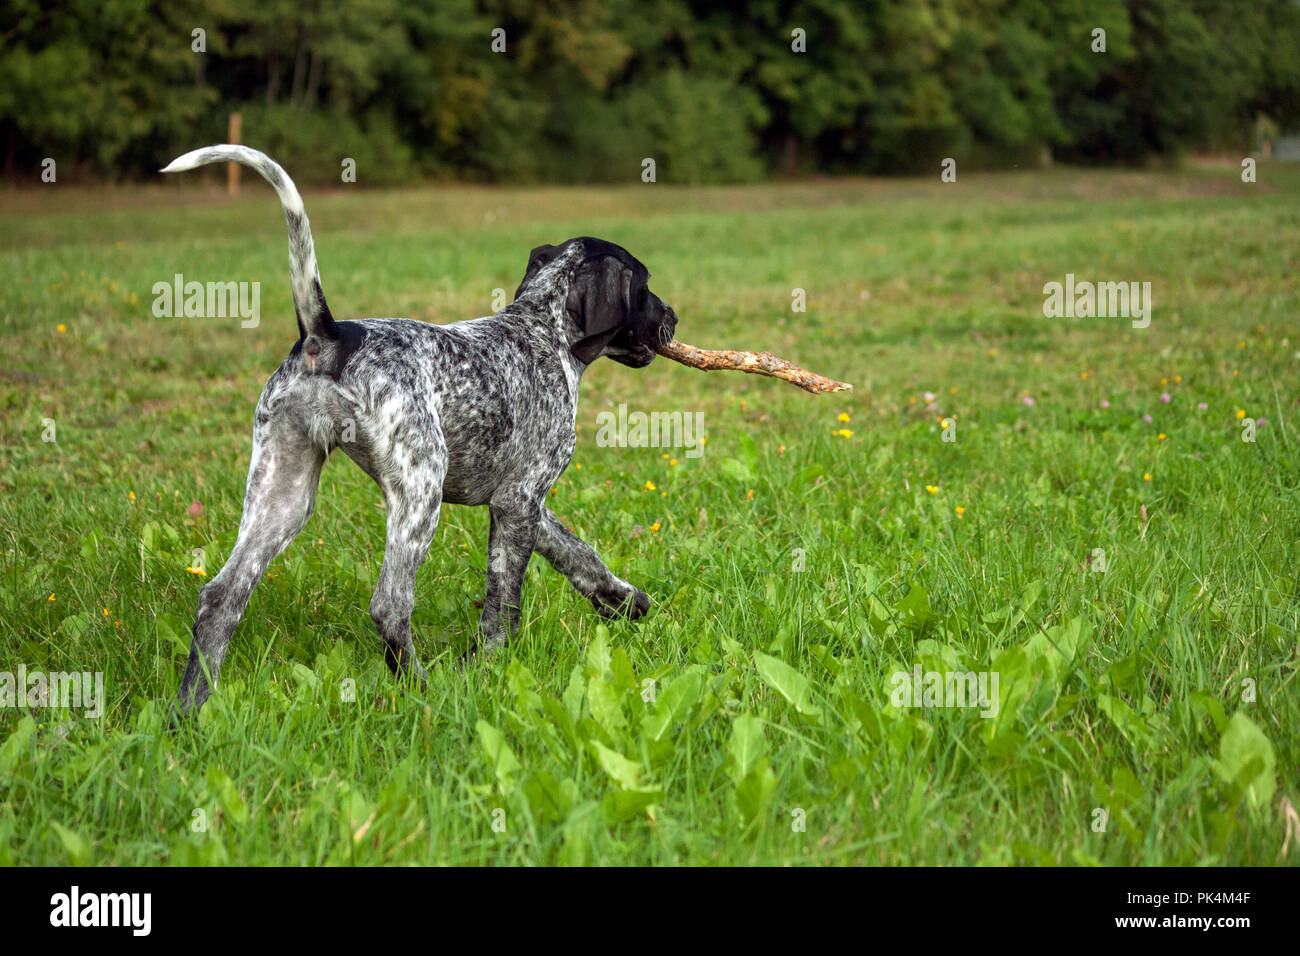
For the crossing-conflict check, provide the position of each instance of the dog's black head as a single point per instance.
(611, 309)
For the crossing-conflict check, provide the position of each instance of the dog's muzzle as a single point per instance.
(637, 349)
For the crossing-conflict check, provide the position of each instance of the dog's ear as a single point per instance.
(537, 259)
(600, 303)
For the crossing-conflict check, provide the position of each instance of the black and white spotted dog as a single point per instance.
(476, 412)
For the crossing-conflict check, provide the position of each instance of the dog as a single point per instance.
(479, 412)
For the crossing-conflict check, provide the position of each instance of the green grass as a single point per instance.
(793, 570)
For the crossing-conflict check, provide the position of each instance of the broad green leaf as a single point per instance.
(914, 609)
(1051, 650)
(621, 674)
(626, 773)
(606, 708)
(737, 471)
(937, 656)
(787, 682)
(806, 478)
(673, 705)
(78, 847)
(545, 797)
(1134, 729)
(1122, 673)
(622, 805)
(176, 631)
(1125, 788)
(150, 535)
(755, 791)
(224, 791)
(501, 759)
(1248, 759)
(17, 743)
(1033, 855)
(573, 694)
(522, 682)
(995, 855)
(826, 657)
(1207, 705)
(76, 626)
(1028, 598)
(560, 721)
(733, 648)
(303, 675)
(598, 653)
(747, 744)
(579, 835)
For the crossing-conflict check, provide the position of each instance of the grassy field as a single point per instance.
(1099, 536)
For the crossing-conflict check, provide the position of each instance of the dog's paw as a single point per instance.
(484, 646)
(631, 604)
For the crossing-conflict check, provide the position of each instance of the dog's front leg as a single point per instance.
(589, 575)
(513, 534)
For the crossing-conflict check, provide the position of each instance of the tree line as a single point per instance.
(584, 91)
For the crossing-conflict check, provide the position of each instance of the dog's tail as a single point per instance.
(314, 317)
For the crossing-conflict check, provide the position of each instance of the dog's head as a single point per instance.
(609, 308)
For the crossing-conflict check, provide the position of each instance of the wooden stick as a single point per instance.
(758, 363)
(232, 169)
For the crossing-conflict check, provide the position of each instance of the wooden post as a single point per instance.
(232, 169)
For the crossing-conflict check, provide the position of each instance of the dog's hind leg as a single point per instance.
(279, 498)
(414, 466)
(589, 575)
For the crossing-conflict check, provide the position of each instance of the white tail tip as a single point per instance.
(182, 163)
(201, 157)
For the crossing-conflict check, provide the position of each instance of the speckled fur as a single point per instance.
(479, 412)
